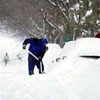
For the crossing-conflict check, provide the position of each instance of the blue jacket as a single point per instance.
(37, 48)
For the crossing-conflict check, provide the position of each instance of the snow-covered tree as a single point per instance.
(54, 19)
(77, 17)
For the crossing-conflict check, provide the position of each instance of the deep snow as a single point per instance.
(71, 78)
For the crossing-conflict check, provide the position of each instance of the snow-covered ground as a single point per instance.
(70, 78)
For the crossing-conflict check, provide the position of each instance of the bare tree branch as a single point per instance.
(53, 3)
(58, 5)
(51, 24)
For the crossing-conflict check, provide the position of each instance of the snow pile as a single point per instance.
(8, 46)
(71, 78)
(53, 51)
(50, 56)
(68, 48)
(14, 50)
(80, 76)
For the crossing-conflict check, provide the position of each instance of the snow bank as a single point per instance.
(51, 55)
(68, 48)
(7, 46)
(72, 78)
(80, 76)
(13, 48)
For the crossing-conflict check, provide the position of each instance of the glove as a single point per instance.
(40, 59)
(24, 47)
(46, 49)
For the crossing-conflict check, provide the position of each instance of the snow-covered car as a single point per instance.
(88, 47)
(83, 47)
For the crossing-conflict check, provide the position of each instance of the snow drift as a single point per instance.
(71, 78)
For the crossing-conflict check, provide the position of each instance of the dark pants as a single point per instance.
(31, 64)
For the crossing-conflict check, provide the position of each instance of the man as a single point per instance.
(37, 50)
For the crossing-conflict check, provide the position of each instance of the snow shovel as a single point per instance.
(37, 59)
